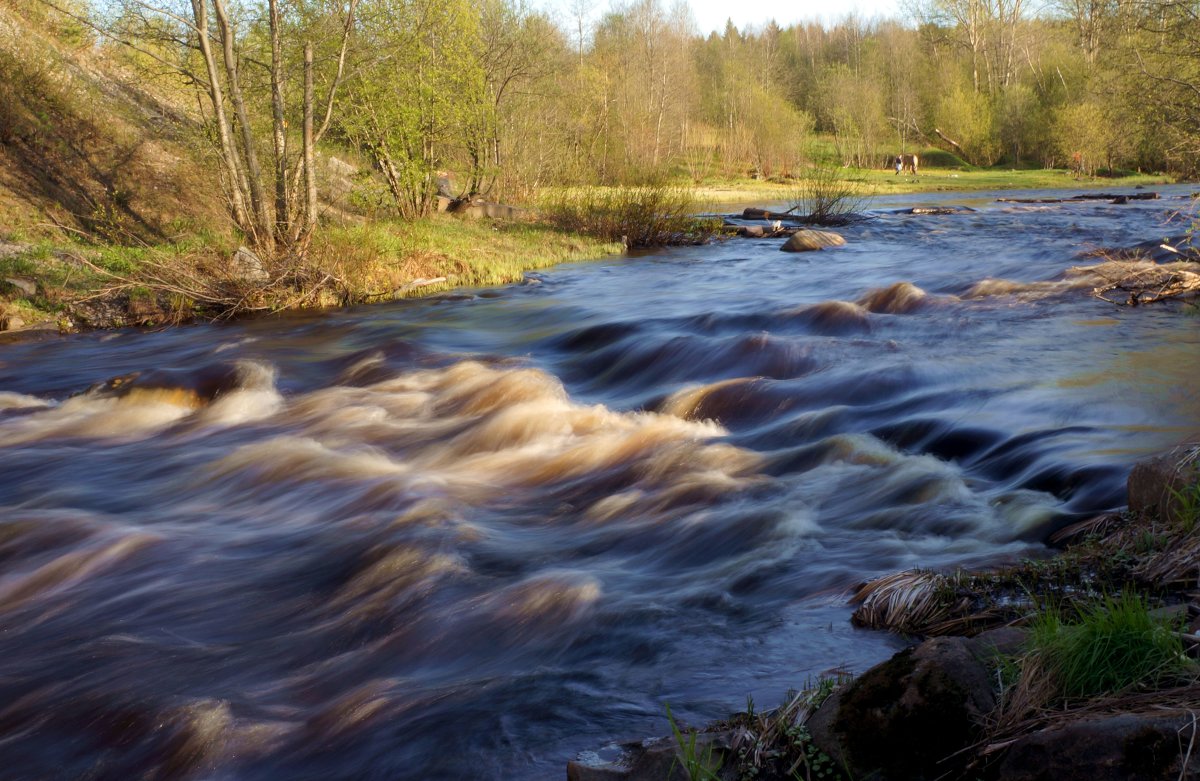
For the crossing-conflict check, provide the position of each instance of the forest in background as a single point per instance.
(194, 126)
(511, 101)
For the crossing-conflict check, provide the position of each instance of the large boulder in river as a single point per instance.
(1156, 485)
(808, 240)
(907, 718)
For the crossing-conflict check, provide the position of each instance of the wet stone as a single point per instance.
(659, 759)
(808, 240)
(21, 285)
(904, 718)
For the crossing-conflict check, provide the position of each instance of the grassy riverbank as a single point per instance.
(69, 285)
(930, 179)
(72, 284)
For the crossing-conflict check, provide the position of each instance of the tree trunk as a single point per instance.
(237, 192)
(347, 30)
(951, 142)
(282, 207)
(310, 167)
(264, 233)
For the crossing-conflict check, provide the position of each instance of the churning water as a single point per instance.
(469, 537)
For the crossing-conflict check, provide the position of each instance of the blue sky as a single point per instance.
(711, 14)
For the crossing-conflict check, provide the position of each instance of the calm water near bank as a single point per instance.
(471, 536)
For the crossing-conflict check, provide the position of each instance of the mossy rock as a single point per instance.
(907, 718)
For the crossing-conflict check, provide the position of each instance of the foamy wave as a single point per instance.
(469, 431)
(141, 405)
(900, 298)
(1073, 279)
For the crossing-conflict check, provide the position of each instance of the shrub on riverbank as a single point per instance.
(824, 197)
(648, 215)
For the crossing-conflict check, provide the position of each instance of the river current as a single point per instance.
(474, 535)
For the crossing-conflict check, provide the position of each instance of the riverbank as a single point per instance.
(929, 179)
(1080, 665)
(70, 285)
(73, 286)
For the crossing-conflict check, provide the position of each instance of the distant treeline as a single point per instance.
(511, 101)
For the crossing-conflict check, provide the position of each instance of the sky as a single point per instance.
(710, 15)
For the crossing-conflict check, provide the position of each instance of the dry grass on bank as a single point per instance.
(1107, 554)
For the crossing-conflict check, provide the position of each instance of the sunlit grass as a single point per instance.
(646, 215)
(377, 261)
(397, 259)
(886, 182)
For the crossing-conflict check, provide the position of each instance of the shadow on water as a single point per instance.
(490, 531)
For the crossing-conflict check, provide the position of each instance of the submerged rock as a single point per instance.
(1168, 249)
(807, 240)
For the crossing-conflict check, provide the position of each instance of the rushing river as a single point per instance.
(472, 536)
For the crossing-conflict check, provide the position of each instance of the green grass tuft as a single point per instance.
(1187, 506)
(699, 764)
(1106, 647)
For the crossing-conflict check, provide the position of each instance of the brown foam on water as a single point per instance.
(476, 434)
(82, 416)
(897, 299)
(138, 406)
(11, 401)
(551, 598)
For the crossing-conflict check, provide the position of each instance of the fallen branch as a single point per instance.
(962, 152)
(1145, 283)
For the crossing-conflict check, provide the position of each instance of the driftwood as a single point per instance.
(751, 213)
(1111, 197)
(818, 218)
(937, 210)
(1146, 283)
(416, 283)
(774, 230)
